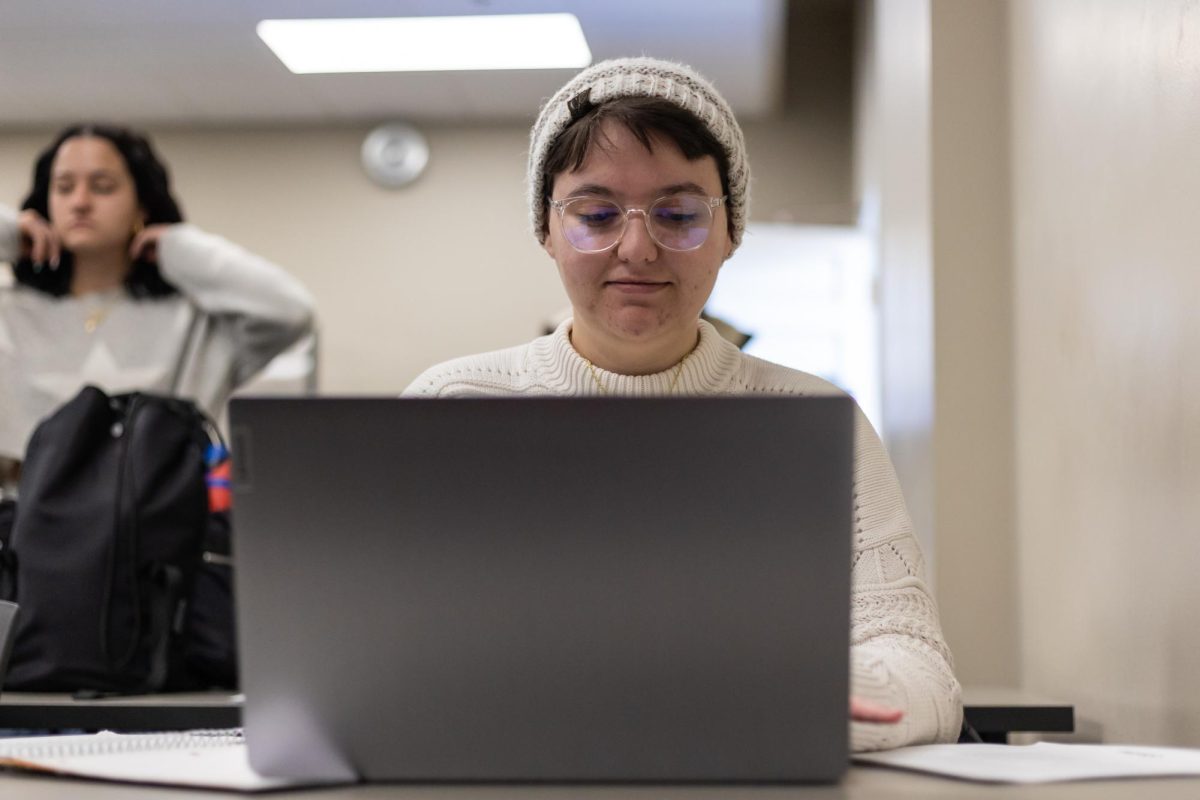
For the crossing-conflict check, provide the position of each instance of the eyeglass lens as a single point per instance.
(679, 222)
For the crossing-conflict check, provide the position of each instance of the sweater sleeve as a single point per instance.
(253, 302)
(10, 238)
(897, 655)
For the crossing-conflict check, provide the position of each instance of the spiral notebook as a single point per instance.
(200, 759)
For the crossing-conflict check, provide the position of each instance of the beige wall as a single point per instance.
(932, 167)
(972, 300)
(1063, 186)
(803, 159)
(892, 178)
(1106, 125)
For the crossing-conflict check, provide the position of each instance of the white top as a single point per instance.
(898, 656)
(234, 312)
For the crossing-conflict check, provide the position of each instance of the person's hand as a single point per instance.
(145, 244)
(867, 711)
(38, 240)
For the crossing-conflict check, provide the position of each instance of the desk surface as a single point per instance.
(861, 783)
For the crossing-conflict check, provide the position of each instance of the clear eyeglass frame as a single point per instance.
(708, 203)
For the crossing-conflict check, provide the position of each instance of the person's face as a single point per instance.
(93, 202)
(638, 292)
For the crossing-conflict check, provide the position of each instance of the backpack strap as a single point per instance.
(166, 614)
(8, 616)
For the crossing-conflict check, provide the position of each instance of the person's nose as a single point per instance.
(80, 198)
(637, 245)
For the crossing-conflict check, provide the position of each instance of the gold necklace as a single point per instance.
(96, 317)
(604, 390)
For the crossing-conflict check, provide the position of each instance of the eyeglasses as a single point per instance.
(679, 222)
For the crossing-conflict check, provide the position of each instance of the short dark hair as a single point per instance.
(644, 117)
(152, 185)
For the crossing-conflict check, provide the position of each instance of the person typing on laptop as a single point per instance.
(638, 189)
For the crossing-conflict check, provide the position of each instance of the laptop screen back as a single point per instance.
(545, 589)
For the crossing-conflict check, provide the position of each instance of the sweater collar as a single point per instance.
(709, 369)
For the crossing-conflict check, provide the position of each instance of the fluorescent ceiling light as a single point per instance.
(420, 44)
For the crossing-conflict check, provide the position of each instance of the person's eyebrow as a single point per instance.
(676, 188)
(592, 188)
(684, 188)
(103, 172)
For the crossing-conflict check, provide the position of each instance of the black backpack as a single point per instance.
(121, 572)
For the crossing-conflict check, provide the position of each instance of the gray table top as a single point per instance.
(860, 783)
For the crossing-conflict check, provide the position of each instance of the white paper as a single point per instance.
(1043, 762)
(197, 759)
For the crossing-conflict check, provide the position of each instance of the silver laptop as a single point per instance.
(544, 589)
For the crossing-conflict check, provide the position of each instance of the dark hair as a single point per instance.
(644, 117)
(152, 186)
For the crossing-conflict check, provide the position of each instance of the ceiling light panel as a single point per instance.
(428, 44)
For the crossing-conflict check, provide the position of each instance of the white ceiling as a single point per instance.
(189, 62)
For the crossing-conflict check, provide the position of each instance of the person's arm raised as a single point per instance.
(257, 303)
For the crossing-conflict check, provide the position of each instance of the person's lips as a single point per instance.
(632, 286)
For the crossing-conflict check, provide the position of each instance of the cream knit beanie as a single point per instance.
(641, 77)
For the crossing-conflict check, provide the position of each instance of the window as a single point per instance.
(806, 295)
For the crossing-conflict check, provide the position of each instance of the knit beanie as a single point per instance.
(641, 77)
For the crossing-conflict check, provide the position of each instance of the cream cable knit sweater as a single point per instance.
(898, 656)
